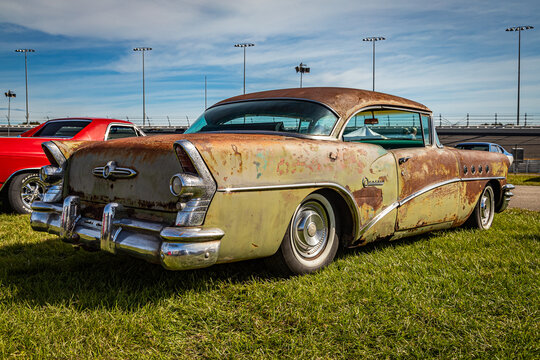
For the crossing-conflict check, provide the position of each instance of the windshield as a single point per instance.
(293, 116)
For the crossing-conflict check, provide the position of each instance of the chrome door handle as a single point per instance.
(403, 160)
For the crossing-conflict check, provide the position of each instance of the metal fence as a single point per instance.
(495, 119)
(526, 166)
(172, 121)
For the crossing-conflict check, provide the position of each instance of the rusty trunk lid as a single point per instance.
(151, 160)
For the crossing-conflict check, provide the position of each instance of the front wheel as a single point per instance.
(482, 216)
(23, 190)
(311, 240)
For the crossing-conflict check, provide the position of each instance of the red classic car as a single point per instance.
(22, 157)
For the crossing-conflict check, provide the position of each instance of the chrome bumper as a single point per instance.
(506, 196)
(175, 248)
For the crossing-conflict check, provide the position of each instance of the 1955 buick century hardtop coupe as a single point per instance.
(286, 174)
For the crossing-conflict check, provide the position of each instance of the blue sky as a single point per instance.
(453, 56)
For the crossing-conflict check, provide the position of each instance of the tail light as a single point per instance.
(194, 186)
(185, 160)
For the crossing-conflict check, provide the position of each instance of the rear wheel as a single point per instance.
(311, 240)
(482, 216)
(23, 190)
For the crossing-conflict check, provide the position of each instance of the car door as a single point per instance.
(428, 183)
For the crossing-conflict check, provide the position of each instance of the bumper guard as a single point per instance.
(175, 248)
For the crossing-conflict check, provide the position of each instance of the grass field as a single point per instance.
(452, 294)
(524, 179)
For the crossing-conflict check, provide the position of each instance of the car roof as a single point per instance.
(344, 101)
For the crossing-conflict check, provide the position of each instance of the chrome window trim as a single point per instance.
(106, 137)
(382, 107)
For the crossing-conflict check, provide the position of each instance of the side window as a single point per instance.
(388, 128)
(119, 132)
(426, 128)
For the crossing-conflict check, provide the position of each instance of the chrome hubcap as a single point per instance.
(486, 207)
(310, 226)
(32, 190)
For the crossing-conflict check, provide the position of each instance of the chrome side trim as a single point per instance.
(352, 204)
(281, 187)
(426, 189)
(483, 178)
(387, 210)
(397, 204)
(349, 198)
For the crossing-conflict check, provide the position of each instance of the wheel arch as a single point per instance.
(7, 183)
(346, 221)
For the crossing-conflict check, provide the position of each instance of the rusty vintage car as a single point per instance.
(289, 174)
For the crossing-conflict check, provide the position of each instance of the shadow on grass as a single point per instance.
(535, 180)
(51, 272)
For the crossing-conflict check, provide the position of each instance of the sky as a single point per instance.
(453, 56)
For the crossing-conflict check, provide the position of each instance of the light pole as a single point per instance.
(244, 45)
(9, 94)
(373, 39)
(302, 69)
(143, 49)
(26, 51)
(519, 29)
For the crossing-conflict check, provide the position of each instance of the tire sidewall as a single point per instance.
(14, 192)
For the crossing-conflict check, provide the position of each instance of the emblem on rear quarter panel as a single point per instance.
(111, 171)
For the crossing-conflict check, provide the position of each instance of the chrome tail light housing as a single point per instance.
(194, 186)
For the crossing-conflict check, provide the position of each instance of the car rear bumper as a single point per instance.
(175, 248)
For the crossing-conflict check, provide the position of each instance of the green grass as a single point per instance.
(524, 179)
(453, 294)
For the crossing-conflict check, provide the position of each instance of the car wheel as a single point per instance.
(311, 240)
(23, 190)
(482, 216)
